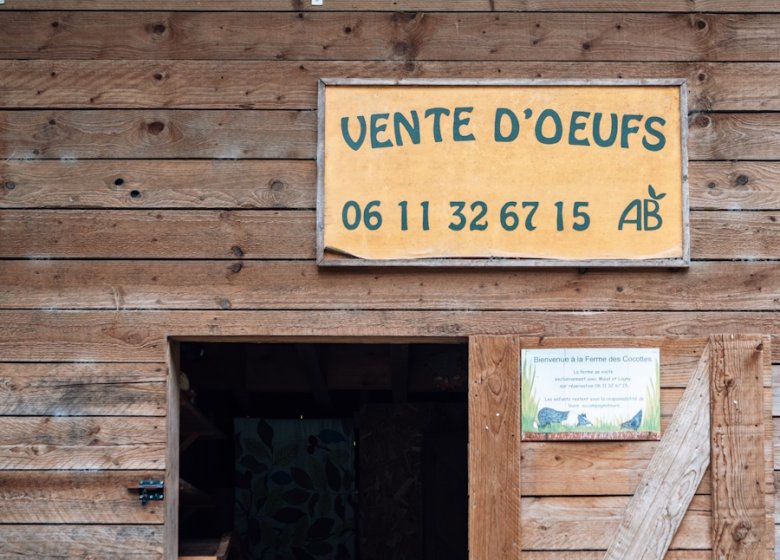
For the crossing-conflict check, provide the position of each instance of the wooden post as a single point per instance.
(172, 457)
(494, 448)
(738, 473)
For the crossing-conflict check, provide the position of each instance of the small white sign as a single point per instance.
(591, 393)
(316, 2)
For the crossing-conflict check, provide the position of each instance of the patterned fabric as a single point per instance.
(295, 487)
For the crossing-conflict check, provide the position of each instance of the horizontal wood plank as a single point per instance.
(193, 184)
(284, 234)
(128, 285)
(158, 234)
(69, 443)
(203, 84)
(407, 5)
(250, 184)
(97, 542)
(591, 522)
(734, 136)
(77, 497)
(388, 36)
(70, 135)
(89, 389)
(605, 468)
(732, 185)
(41, 335)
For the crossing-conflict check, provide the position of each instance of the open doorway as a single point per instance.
(314, 450)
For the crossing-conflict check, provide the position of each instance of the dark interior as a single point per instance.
(374, 464)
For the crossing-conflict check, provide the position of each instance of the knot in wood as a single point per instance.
(155, 127)
(741, 530)
(494, 384)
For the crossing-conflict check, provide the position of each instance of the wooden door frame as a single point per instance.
(494, 418)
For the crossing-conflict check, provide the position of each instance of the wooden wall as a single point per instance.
(157, 178)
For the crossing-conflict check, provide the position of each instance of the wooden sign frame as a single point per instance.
(331, 258)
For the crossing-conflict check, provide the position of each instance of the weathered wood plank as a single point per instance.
(158, 234)
(196, 84)
(751, 235)
(77, 497)
(739, 185)
(203, 234)
(717, 185)
(97, 542)
(654, 513)
(177, 184)
(70, 443)
(68, 135)
(733, 136)
(127, 285)
(40, 335)
(407, 5)
(388, 36)
(598, 469)
(591, 523)
(494, 448)
(737, 444)
(234, 134)
(90, 389)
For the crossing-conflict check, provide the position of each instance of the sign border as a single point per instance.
(335, 259)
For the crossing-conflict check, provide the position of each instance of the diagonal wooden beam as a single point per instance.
(739, 528)
(657, 508)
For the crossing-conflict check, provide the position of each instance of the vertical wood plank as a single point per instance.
(494, 448)
(667, 486)
(172, 459)
(738, 474)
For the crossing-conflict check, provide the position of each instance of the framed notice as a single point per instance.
(505, 173)
(590, 394)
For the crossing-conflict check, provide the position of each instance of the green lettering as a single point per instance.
(514, 124)
(376, 128)
(436, 112)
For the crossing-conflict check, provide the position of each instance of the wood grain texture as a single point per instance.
(70, 443)
(597, 469)
(738, 185)
(236, 84)
(166, 184)
(82, 389)
(591, 522)
(738, 447)
(40, 335)
(407, 5)
(70, 135)
(77, 497)
(158, 234)
(734, 136)
(494, 448)
(97, 542)
(249, 184)
(206, 234)
(388, 36)
(666, 489)
(156, 133)
(145, 284)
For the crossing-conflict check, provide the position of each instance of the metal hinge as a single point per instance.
(151, 491)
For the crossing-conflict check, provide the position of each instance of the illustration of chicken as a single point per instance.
(634, 423)
(549, 416)
(582, 420)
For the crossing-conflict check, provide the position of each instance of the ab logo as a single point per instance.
(643, 212)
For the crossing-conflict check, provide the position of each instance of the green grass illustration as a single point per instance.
(651, 419)
(529, 407)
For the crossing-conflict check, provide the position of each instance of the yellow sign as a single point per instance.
(507, 173)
